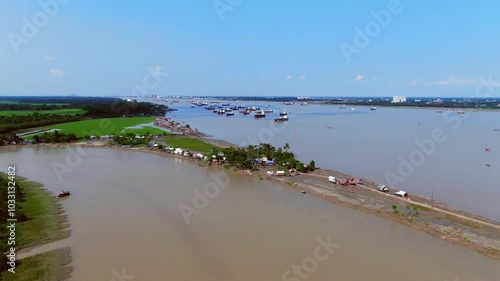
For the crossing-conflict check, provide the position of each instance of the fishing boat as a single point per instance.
(487, 149)
(373, 108)
(225, 104)
(342, 106)
(246, 112)
(259, 114)
(281, 119)
(63, 194)
(268, 111)
(461, 112)
(229, 112)
(221, 111)
(304, 104)
(283, 113)
(288, 103)
(439, 111)
(354, 109)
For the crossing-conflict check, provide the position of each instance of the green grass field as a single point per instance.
(145, 130)
(71, 111)
(52, 265)
(98, 127)
(189, 143)
(45, 222)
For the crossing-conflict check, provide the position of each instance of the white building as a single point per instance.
(398, 99)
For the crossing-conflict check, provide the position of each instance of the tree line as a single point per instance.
(94, 107)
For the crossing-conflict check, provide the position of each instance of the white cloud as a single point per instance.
(413, 82)
(303, 77)
(289, 77)
(155, 70)
(375, 78)
(452, 80)
(55, 72)
(360, 77)
(481, 81)
(49, 58)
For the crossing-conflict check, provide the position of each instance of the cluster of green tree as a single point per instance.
(9, 138)
(94, 107)
(123, 108)
(4, 215)
(129, 139)
(245, 158)
(14, 123)
(54, 137)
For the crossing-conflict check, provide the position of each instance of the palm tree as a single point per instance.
(286, 146)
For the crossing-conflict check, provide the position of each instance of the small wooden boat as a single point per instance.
(303, 191)
(487, 149)
(487, 165)
(63, 194)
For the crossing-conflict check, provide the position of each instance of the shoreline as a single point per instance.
(33, 252)
(470, 109)
(439, 220)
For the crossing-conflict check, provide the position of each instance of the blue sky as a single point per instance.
(243, 47)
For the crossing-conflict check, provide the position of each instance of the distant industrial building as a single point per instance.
(398, 99)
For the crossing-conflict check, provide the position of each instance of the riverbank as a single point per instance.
(44, 222)
(433, 217)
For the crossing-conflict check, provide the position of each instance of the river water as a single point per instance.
(125, 218)
(416, 150)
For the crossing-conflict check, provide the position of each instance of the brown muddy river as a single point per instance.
(125, 218)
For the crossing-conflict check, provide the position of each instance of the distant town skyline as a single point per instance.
(250, 48)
